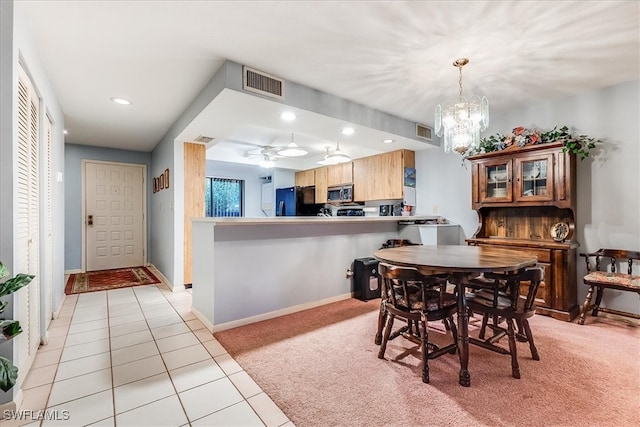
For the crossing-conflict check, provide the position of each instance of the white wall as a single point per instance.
(74, 154)
(608, 193)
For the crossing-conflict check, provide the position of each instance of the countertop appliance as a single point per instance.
(296, 201)
(340, 194)
(391, 210)
(355, 210)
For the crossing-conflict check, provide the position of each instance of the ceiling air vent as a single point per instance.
(264, 84)
(203, 139)
(423, 132)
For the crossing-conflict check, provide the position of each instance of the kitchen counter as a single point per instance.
(251, 269)
(280, 220)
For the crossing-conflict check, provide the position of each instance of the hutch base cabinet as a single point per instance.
(525, 200)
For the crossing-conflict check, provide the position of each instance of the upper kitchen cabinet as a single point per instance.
(541, 175)
(305, 178)
(339, 174)
(321, 184)
(381, 177)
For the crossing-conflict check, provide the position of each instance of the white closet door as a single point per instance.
(27, 221)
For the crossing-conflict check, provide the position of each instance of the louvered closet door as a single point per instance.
(27, 220)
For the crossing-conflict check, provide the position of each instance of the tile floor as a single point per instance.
(139, 357)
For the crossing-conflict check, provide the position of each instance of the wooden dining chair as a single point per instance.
(604, 274)
(430, 303)
(382, 315)
(509, 299)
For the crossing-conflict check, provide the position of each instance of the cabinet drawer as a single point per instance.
(544, 255)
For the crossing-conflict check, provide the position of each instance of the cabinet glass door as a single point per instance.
(495, 181)
(534, 178)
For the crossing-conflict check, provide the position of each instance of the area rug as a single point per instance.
(320, 366)
(109, 279)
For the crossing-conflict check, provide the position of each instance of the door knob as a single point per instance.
(90, 220)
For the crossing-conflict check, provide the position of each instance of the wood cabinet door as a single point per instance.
(321, 185)
(533, 176)
(305, 178)
(495, 181)
(363, 176)
(388, 173)
(339, 174)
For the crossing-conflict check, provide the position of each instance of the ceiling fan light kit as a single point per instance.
(292, 150)
(267, 162)
(461, 121)
(336, 157)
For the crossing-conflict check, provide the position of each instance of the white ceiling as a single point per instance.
(394, 56)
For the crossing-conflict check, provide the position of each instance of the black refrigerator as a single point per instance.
(296, 201)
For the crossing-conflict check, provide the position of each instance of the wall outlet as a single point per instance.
(434, 209)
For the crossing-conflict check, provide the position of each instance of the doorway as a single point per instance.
(114, 204)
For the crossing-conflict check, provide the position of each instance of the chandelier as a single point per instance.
(462, 120)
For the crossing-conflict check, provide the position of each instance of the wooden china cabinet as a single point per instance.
(525, 200)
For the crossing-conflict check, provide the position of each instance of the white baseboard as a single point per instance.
(74, 271)
(203, 319)
(270, 315)
(14, 405)
(56, 312)
(167, 284)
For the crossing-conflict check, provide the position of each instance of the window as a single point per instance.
(223, 197)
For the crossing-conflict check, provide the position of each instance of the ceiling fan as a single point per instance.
(259, 150)
(264, 152)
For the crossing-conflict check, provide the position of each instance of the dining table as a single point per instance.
(459, 263)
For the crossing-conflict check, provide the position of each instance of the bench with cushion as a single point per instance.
(600, 277)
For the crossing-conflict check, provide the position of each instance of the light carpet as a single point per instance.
(320, 366)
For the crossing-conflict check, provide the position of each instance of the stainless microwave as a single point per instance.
(340, 194)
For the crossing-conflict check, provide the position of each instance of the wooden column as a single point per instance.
(194, 175)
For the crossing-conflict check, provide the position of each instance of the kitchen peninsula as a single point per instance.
(250, 269)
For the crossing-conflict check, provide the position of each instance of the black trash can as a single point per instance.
(366, 280)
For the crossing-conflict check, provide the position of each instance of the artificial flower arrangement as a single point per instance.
(520, 137)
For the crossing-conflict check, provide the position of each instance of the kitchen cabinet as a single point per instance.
(521, 196)
(381, 177)
(321, 184)
(339, 174)
(305, 178)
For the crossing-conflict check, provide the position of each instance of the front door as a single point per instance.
(114, 215)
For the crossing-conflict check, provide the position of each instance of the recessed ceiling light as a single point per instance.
(288, 116)
(387, 141)
(348, 131)
(121, 101)
(66, 132)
